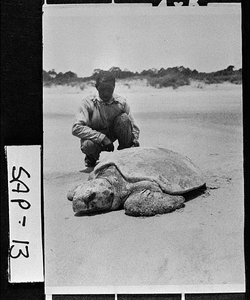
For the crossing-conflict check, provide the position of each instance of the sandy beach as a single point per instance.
(200, 244)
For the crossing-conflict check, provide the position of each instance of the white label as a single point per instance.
(25, 231)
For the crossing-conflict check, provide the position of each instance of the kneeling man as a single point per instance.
(103, 119)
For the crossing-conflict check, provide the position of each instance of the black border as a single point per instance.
(21, 115)
(21, 110)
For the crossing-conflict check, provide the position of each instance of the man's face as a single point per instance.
(105, 91)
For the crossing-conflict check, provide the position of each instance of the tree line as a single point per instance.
(172, 76)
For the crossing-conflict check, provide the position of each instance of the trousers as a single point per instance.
(121, 131)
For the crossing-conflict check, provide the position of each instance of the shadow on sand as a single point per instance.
(195, 193)
(87, 170)
(94, 213)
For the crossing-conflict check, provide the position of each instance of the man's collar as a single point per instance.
(106, 103)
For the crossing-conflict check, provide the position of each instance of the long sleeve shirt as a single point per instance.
(94, 119)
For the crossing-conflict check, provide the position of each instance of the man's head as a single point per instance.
(105, 84)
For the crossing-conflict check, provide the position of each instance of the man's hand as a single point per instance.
(107, 145)
(110, 147)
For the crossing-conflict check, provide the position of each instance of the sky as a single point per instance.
(81, 38)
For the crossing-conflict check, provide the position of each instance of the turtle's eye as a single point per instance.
(90, 198)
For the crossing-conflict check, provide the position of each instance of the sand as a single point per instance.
(200, 244)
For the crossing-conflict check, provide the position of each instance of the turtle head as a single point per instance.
(93, 196)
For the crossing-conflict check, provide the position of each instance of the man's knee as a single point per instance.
(86, 145)
(122, 125)
(123, 131)
(122, 119)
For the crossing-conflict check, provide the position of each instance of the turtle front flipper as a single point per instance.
(72, 191)
(150, 203)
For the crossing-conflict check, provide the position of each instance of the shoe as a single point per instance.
(90, 162)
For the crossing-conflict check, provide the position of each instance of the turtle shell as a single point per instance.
(174, 173)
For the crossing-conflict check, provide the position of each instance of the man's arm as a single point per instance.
(135, 128)
(80, 127)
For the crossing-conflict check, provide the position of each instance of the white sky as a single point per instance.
(81, 38)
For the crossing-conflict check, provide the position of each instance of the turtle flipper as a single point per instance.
(150, 203)
(72, 191)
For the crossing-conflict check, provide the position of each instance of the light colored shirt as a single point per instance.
(94, 118)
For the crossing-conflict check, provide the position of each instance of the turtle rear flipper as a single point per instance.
(150, 203)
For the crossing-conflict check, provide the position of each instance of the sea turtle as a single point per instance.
(143, 181)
